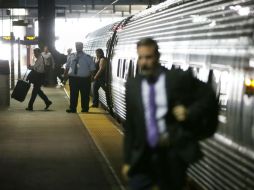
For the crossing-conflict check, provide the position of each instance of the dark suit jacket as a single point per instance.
(181, 88)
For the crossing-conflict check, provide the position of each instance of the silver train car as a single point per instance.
(213, 38)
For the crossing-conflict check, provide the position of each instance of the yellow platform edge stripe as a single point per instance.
(106, 136)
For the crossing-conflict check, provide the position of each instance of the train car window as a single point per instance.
(203, 74)
(118, 67)
(164, 63)
(194, 70)
(130, 69)
(133, 68)
(172, 67)
(137, 70)
(210, 77)
(124, 68)
(221, 83)
(176, 67)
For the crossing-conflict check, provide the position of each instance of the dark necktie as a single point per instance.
(152, 128)
(76, 65)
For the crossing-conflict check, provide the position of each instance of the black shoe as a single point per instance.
(29, 109)
(47, 105)
(94, 106)
(71, 111)
(84, 111)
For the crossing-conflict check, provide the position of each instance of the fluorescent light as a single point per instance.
(114, 2)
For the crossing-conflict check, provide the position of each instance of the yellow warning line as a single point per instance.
(107, 137)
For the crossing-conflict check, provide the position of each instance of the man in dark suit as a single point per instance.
(167, 113)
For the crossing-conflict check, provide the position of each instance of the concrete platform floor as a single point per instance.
(49, 150)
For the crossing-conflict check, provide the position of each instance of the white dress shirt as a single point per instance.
(39, 65)
(160, 101)
(49, 60)
(85, 65)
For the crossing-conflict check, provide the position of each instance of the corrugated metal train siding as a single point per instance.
(215, 33)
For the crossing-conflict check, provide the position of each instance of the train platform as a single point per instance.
(55, 150)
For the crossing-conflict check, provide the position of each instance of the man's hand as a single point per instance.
(180, 112)
(125, 170)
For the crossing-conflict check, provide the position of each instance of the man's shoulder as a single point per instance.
(133, 82)
(40, 58)
(178, 73)
(87, 57)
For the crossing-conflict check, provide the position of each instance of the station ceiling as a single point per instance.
(84, 8)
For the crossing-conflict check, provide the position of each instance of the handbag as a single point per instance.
(34, 76)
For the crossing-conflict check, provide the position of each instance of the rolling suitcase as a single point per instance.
(20, 91)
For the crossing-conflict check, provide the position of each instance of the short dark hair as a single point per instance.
(149, 42)
(100, 51)
(79, 43)
(37, 50)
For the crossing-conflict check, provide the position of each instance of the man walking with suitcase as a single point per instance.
(36, 76)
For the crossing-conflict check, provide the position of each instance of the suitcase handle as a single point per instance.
(25, 75)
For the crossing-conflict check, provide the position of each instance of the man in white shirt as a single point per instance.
(38, 70)
(79, 69)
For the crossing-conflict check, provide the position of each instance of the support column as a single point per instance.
(12, 62)
(19, 66)
(46, 18)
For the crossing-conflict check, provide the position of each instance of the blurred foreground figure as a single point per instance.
(167, 113)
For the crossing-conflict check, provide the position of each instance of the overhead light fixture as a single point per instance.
(19, 12)
(102, 10)
(114, 2)
(20, 23)
(30, 38)
(7, 38)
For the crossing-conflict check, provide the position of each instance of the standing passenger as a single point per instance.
(99, 78)
(79, 68)
(69, 50)
(37, 80)
(50, 66)
(167, 112)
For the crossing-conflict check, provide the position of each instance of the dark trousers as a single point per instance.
(37, 91)
(82, 85)
(59, 73)
(50, 76)
(160, 168)
(96, 86)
